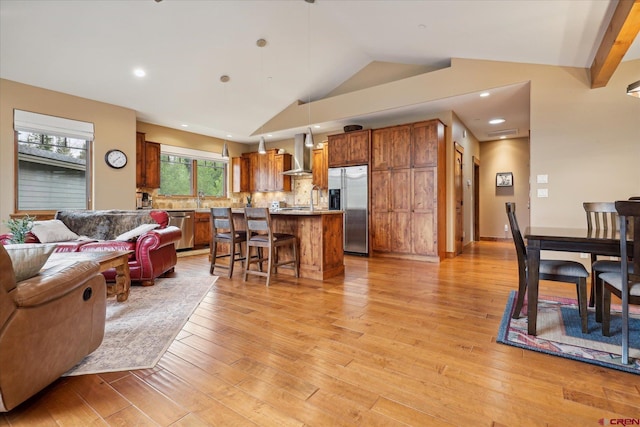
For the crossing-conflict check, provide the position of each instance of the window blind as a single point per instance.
(192, 154)
(27, 121)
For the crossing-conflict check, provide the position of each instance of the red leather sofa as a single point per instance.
(154, 252)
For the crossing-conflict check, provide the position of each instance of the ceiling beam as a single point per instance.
(621, 31)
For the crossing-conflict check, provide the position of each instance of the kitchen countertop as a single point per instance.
(305, 212)
(286, 211)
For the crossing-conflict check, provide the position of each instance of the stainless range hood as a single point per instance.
(301, 163)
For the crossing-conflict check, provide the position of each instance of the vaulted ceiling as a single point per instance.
(90, 49)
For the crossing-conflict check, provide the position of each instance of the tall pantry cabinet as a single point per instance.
(408, 190)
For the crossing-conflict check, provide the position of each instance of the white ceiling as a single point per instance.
(89, 48)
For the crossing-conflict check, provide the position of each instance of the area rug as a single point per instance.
(560, 333)
(139, 330)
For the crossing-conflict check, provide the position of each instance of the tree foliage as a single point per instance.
(177, 174)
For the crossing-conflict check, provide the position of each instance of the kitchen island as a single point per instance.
(320, 241)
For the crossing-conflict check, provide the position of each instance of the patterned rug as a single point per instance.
(139, 330)
(560, 333)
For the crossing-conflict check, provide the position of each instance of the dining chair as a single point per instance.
(260, 235)
(601, 216)
(625, 283)
(553, 270)
(223, 232)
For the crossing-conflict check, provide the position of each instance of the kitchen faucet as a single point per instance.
(315, 187)
(199, 199)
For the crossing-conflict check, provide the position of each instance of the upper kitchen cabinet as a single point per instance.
(147, 162)
(261, 172)
(391, 148)
(426, 137)
(320, 167)
(240, 172)
(266, 168)
(350, 148)
(254, 173)
(282, 162)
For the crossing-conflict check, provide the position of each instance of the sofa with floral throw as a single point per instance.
(146, 233)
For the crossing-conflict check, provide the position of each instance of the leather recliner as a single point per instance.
(48, 324)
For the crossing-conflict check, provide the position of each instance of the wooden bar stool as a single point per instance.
(261, 236)
(223, 231)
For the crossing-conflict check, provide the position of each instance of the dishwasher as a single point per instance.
(185, 221)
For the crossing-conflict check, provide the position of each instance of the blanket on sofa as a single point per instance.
(106, 224)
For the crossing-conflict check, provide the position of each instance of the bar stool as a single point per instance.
(261, 236)
(223, 231)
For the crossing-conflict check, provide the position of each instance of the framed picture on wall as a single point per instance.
(504, 179)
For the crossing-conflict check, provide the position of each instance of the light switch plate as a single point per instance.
(543, 192)
(542, 179)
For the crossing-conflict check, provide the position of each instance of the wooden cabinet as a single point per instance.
(264, 172)
(380, 224)
(425, 137)
(240, 174)
(282, 163)
(140, 169)
(391, 147)
(320, 167)
(351, 148)
(254, 175)
(147, 162)
(202, 229)
(408, 190)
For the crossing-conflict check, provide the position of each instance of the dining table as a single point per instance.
(563, 239)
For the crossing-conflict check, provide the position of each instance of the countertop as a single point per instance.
(298, 212)
(286, 211)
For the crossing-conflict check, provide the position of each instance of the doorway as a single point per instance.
(459, 200)
(476, 199)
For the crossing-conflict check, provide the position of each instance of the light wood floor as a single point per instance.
(390, 343)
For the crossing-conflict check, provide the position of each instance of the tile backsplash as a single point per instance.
(301, 187)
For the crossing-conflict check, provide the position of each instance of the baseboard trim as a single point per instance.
(495, 239)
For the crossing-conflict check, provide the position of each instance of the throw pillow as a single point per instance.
(28, 258)
(52, 230)
(138, 231)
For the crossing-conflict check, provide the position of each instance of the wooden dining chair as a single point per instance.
(554, 270)
(262, 237)
(601, 216)
(223, 231)
(629, 272)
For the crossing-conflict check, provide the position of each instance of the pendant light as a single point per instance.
(225, 149)
(262, 149)
(634, 89)
(308, 139)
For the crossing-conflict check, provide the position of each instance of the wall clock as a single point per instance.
(116, 159)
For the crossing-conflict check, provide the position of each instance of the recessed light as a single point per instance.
(229, 136)
(422, 26)
(496, 121)
(185, 126)
(139, 72)
(316, 126)
(503, 137)
(484, 94)
(269, 135)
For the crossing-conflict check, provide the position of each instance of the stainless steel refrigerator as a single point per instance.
(349, 192)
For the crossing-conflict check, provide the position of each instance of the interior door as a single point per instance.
(476, 200)
(459, 199)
